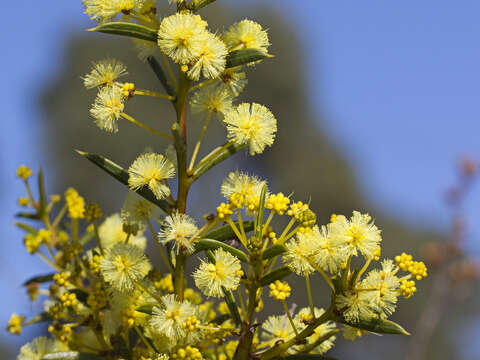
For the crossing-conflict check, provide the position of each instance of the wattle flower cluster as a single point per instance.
(106, 299)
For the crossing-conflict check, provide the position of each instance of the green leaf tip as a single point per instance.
(377, 325)
(120, 174)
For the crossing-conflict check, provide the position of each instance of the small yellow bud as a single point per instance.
(15, 324)
(280, 290)
(224, 210)
(23, 201)
(75, 204)
(24, 172)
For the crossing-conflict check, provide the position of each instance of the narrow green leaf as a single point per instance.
(210, 244)
(216, 156)
(232, 306)
(337, 284)
(81, 295)
(353, 278)
(158, 70)
(72, 355)
(277, 274)
(39, 279)
(220, 319)
(376, 325)
(26, 228)
(202, 3)
(273, 251)
(27, 215)
(261, 210)
(225, 232)
(146, 309)
(127, 29)
(42, 209)
(244, 56)
(122, 175)
(42, 317)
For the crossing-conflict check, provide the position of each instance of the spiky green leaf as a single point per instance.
(261, 210)
(216, 156)
(42, 208)
(26, 228)
(127, 29)
(226, 232)
(202, 3)
(232, 306)
(39, 318)
(121, 175)
(211, 244)
(277, 274)
(39, 279)
(376, 325)
(273, 251)
(244, 56)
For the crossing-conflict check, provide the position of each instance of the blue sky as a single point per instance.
(397, 83)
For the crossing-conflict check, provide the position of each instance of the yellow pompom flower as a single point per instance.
(351, 333)
(357, 234)
(327, 256)
(37, 349)
(304, 316)
(280, 290)
(108, 108)
(151, 170)
(226, 272)
(169, 319)
(234, 81)
(104, 73)
(246, 34)
(277, 328)
(179, 228)
(24, 172)
(182, 36)
(210, 60)
(136, 211)
(241, 189)
(211, 99)
(381, 288)
(15, 324)
(106, 10)
(75, 204)
(251, 124)
(299, 254)
(354, 305)
(123, 266)
(111, 233)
